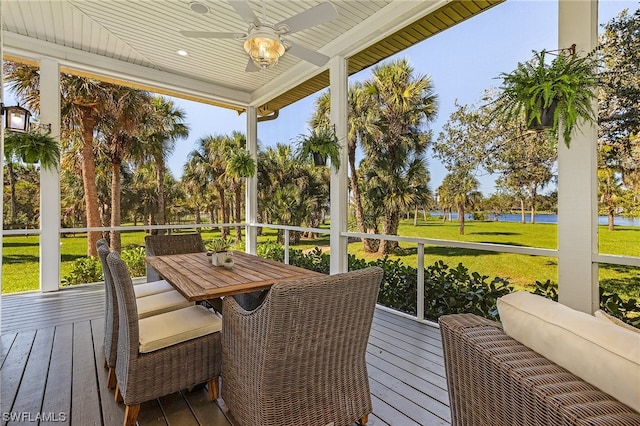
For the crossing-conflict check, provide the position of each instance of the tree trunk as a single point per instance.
(522, 217)
(224, 231)
(369, 245)
(238, 206)
(115, 206)
(610, 219)
(160, 217)
(461, 219)
(415, 216)
(12, 185)
(89, 182)
(389, 227)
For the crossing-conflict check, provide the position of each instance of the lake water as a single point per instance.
(549, 218)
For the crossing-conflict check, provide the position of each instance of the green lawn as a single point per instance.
(20, 254)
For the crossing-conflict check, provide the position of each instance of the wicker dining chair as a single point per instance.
(162, 354)
(158, 245)
(150, 304)
(299, 357)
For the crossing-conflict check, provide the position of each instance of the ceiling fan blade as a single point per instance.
(308, 55)
(243, 9)
(208, 34)
(252, 67)
(324, 12)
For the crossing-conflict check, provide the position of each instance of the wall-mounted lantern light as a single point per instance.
(17, 119)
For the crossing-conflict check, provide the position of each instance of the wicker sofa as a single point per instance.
(494, 380)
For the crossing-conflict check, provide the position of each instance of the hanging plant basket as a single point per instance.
(546, 119)
(318, 159)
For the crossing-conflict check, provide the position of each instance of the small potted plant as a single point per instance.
(320, 144)
(550, 93)
(218, 248)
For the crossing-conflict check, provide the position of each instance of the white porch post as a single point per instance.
(339, 188)
(577, 179)
(251, 189)
(50, 180)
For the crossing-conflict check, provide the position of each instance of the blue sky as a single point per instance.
(462, 62)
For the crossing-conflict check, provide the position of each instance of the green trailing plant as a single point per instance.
(320, 144)
(33, 148)
(567, 83)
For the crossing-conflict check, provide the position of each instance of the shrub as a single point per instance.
(135, 260)
(84, 270)
(447, 290)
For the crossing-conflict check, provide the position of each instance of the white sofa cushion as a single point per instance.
(155, 304)
(161, 331)
(606, 317)
(601, 353)
(154, 287)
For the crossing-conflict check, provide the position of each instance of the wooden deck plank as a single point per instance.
(13, 368)
(176, 410)
(84, 385)
(413, 411)
(6, 340)
(31, 391)
(57, 393)
(151, 414)
(413, 377)
(205, 411)
(404, 357)
(411, 394)
(112, 411)
(389, 414)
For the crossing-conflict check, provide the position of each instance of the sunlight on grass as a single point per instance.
(21, 254)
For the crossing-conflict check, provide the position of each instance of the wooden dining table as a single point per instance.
(193, 275)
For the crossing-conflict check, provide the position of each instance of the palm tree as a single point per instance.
(82, 104)
(240, 166)
(162, 131)
(359, 122)
(401, 104)
(210, 160)
(460, 189)
(126, 110)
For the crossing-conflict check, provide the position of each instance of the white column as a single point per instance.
(339, 187)
(577, 179)
(50, 180)
(251, 190)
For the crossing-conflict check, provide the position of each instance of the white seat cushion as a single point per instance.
(155, 304)
(599, 352)
(161, 331)
(606, 317)
(154, 287)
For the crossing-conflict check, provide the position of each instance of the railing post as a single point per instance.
(251, 188)
(420, 290)
(286, 246)
(50, 180)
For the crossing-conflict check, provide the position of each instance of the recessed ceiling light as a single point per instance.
(182, 52)
(199, 7)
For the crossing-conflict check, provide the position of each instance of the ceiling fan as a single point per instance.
(265, 42)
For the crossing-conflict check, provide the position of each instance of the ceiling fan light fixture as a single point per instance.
(264, 49)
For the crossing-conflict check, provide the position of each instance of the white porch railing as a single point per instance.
(420, 242)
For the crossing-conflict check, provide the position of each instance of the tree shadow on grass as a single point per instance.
(72, 257)
(7, 244)
(12, 259)
(495, 233)
(443, 251)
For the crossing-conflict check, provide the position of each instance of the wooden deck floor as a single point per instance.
(52, 369)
